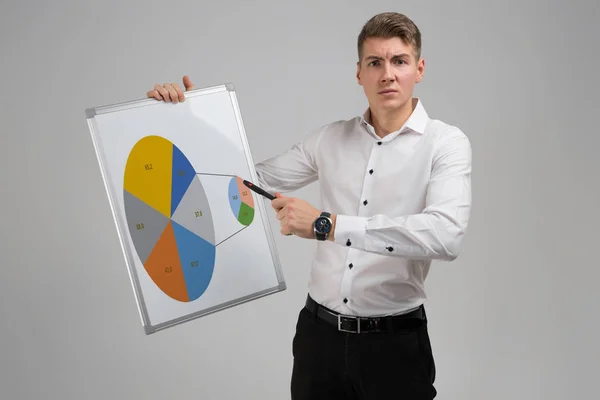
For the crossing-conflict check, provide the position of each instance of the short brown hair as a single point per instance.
(388, 25)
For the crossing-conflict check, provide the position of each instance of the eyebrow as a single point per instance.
(381, 58)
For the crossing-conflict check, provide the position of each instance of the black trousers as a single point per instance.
(334, 365)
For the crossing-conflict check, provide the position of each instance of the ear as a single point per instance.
(358, 73)
(420, 69)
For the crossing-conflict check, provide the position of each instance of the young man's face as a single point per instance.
(388, 72)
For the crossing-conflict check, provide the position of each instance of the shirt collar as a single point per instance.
(416, 122)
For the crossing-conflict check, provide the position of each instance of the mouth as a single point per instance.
(388, 91)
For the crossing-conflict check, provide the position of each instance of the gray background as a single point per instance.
(515, 316)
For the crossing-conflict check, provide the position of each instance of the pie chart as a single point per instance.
(169, 218)
(241, 201)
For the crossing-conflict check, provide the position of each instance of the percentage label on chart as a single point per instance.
(139, 226)
(148, 167)
(168, 269)
(195, 263)
(198, 213)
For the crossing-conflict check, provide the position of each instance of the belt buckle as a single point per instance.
(356, 318)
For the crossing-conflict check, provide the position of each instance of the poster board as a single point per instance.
(194, 238)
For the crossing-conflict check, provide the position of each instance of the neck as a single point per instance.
(386, 121)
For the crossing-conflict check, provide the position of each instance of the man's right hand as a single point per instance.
(171, 92)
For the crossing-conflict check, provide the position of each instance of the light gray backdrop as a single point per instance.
(514, 317)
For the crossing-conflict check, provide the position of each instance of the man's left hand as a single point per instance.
(296, 216)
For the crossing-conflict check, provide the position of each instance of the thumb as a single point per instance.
(275, 204)
(187, 82)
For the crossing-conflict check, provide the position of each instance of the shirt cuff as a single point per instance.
(350, 231)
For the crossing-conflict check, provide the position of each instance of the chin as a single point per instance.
(390, 104)
(387, 104)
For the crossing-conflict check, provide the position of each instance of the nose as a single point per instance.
(387, 74)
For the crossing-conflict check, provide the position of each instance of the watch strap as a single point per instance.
(322, 236)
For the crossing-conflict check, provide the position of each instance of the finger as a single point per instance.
(277, 205)
(164, 93)
(154, 94)
(172, 92)
(280, 201)
(281, 214)
(289, 229)
(281, 206)
(187, 83)
(286, 231)
(179, 92)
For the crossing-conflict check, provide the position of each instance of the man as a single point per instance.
(397, 187)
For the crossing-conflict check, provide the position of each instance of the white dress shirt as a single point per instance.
(401, 201)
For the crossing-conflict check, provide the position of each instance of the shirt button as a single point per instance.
(379, 143)
(350, 265)
(348, 243)
(390, 248)
(345, 300)
(371, 172)
(365, 202)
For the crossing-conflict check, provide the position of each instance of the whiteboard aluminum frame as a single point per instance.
(121, 224)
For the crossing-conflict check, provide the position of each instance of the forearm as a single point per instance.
(437, 231)
(430, 235)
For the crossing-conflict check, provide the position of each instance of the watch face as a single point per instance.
(322, 225)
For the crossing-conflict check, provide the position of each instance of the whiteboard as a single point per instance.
(194, 238)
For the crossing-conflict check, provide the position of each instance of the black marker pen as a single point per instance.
(259, 190)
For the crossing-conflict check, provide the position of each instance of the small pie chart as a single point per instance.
(169, 218)
(241, 201)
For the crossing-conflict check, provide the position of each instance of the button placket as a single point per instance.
(346, 284)
(353, 260)
(349, 267)
(367, 180)
(347, 277)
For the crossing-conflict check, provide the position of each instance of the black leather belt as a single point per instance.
(356, 324)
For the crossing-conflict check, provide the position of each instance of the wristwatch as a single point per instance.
(322, 226)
